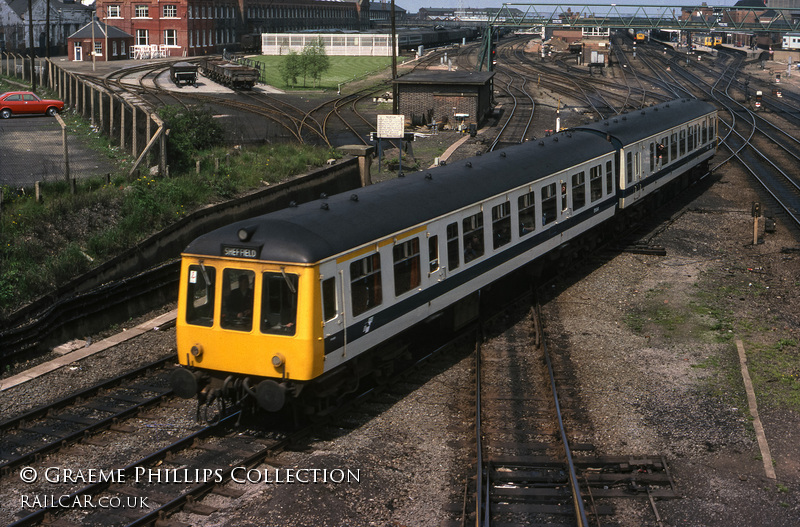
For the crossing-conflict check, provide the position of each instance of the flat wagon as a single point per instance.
(230, 74)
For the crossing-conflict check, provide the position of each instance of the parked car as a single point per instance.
(26, 102)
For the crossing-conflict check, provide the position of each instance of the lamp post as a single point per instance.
(94, 14)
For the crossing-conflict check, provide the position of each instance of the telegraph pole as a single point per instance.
(394, 62)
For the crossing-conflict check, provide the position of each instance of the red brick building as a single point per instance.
(178, 28)
(107, 43)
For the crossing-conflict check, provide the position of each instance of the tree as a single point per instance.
(291, 68)
(316, 61)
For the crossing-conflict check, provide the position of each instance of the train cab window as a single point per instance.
(406, 266)
(279, 303)
(549, 204)
(433, 254)
(365, 283)
(237, 299)
(610, 177)
(501, 224)
(526, 205)
(682, 142)
(473, 237)
(200, 295)
(453, 254)
(578, 190)
(673, 147)
(329, 310)
(595, 183)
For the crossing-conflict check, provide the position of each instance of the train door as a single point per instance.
(332, 298)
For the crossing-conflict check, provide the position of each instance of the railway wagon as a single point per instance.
(413, 38)
(183, 73)
(302, 304)
(230, 74)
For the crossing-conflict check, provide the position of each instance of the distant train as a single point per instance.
(709, 41)
(791, 41)
(305, 303)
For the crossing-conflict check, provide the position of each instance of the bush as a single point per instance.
(190, 130)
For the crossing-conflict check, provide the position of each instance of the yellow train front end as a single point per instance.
(247, 330)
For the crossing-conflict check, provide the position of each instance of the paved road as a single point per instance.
(31, 150)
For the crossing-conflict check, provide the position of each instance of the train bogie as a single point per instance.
(332, 285)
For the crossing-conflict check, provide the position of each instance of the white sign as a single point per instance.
(391, 126)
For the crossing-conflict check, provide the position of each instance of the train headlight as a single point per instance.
(278, 360)
(197, 351)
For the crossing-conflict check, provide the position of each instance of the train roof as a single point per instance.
(640, 124)
(314, 231)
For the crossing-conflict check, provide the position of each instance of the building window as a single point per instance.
(113, 11)
(114, 47)
(98, 48)
(170, 11)
(171, 37)
(122, 48)
(141, 11)
(142, 37)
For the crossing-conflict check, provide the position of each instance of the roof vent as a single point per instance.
(541, 143)
(555, 139)
(324, 206)
(323, 196)
(478, 153)
(502, 154)
(245, 233)
(401, 174)
(353, 197)
(624, 117)
(429, 176)
(468, 165)
(292, 203)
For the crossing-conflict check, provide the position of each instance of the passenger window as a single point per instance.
(200, 295)
(473, 237)
(329, 310)
(433, 254)
(549, 203)
(610, 177)
(365, 283)
(673, 147)
(406, 266)
(501, 224)
(652, 156)
(682, 142)
(14, 98)
(690, 142)
(526, 205)
(629, 167)
(595, 183)
(279, 303)
(237, 299)
(578, 190)
(704, 136)
(453, 258)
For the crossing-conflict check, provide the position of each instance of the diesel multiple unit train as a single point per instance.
(303, 302)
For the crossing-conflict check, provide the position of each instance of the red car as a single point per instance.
(22, 102)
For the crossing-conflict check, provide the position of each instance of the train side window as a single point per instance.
(610, 177)
(629, 167)
(549, 204)
(595, 183)
(682, 142)
(406, 266)
(365, 283)
(673, 147)
(690, 139)
(329, 310)
(453, 257)
(237, 299)
(473, 237)
(704, 133)
(200, 295)
(526, 206)
(433, 253)
(279, 303)
(501, 224)
(578, 190)
(652, 156)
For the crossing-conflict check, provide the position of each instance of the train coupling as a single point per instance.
(268, 394)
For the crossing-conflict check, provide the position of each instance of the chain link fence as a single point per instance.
(39, 149)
